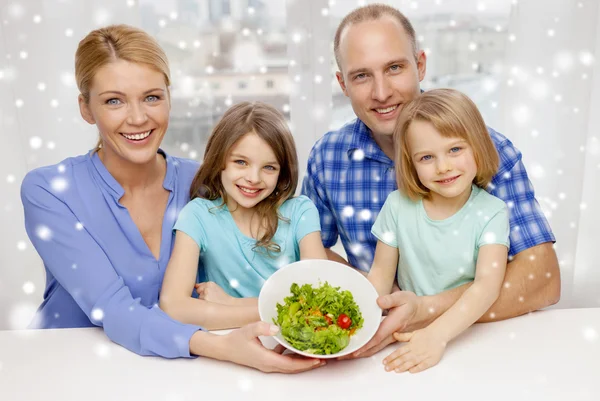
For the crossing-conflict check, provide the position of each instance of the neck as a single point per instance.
(386, 143)
(133, 176)
(446, 207)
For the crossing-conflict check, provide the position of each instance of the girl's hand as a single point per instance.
(212, 292)
(244, 348)
(423, 350)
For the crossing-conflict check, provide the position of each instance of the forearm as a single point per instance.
(473, 303)
(380, 280)
(208, 345)
(210, 315)
(253, 302)
(531, 282)
(336, 257)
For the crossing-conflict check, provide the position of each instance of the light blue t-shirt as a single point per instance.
(437, 255)
(228, 257)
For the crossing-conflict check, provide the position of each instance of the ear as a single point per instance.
(85, 111)
(340, 79)
(421, 64)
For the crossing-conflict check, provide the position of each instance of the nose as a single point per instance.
(252, 175)
(443, 165)
(381, 89)
(137, 114)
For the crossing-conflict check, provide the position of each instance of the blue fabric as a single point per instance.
(349, 178)
(229, 258)
(99, 270)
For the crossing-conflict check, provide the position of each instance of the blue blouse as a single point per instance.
(99, 270)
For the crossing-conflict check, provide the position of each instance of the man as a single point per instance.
(351, 173)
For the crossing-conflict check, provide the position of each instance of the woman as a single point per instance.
(102, 222)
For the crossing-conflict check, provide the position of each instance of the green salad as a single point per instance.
(318, 320)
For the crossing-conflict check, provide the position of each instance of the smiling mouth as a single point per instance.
(387, 109)
(448, 180)
(139, 136)
(249, 191)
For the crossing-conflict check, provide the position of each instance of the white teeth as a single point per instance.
(137, 137)
(249, 191)
(391, 108)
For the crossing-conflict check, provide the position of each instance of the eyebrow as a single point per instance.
(123, 94)
(451, 145)
(239, 156)
(392, 62)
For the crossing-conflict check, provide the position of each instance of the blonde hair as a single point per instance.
(452, 114)
(116, 42)
(373, 12)
(270, 125)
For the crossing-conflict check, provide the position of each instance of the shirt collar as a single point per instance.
(115, 189)
(362, 139)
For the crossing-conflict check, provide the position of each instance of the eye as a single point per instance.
(395, 67)
(153, 98)
(455, 149)
(360, 76)
(271, 168)
(240, 162)
(113, 101)
(426, 158)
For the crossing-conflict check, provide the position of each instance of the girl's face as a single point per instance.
(129, 104)
(445, 166)
(251, 172)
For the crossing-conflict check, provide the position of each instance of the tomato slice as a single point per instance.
(328, 319)
(344, 321)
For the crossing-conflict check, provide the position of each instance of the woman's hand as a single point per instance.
(212, 292)
(423, 350)
(243, 347)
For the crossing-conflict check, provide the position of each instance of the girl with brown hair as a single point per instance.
(243, 222)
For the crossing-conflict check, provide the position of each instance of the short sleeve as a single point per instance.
(386, 224)
(496, 230)
(192, 221)
(306, 217)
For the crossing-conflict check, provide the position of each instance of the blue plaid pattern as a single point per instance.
(349, 178)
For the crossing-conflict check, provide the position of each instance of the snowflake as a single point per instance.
(43, 233)
(348, 211)
(21, 315)
(365, 214)
(37, 19)
(10, 178)
(389, 236)
(590, 334)
(78, 226)
(28, 288)
(356, 249)
(21, 245)
(245, 384)
(489, 237)
(19, 103)
(59, 184)
(97, 314)
(35, 142)
(358, 155)
(234, 283)
(102, 350)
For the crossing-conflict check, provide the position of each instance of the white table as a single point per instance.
(548, 355)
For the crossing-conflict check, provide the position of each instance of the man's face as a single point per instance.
(379, 72)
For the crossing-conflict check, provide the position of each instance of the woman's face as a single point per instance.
(129, 103)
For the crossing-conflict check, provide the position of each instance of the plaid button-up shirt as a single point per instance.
(349, 178)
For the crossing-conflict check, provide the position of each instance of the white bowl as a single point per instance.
(316, 272)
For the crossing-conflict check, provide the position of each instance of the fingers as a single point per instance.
(396, 354)
(403, 337)
(403, 362)
(392, 300)
(426, 364)
(257, 329)
(292, 364)
(370, 351)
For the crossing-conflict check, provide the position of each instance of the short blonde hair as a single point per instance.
(452, 114)
(116, 42)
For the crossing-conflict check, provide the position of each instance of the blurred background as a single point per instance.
(530, 65)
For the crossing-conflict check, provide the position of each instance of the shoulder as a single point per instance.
(398, 199)
(185, 169)
(488, 202)
(200, 205)
(338, 139)
(507, 151)
(55, 178)
(296, 206)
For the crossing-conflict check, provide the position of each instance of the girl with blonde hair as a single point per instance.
(441, 229)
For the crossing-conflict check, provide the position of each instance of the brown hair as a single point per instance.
(369, 13)
(270, 125)
(452, 114)
(116, 42)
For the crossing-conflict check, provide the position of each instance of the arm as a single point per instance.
(178, 284)
(532, 282)
(94, 284)
(336, 257)
(475, 301)
(311, 247)
(383, 271)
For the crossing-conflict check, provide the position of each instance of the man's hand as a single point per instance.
(403, 307)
